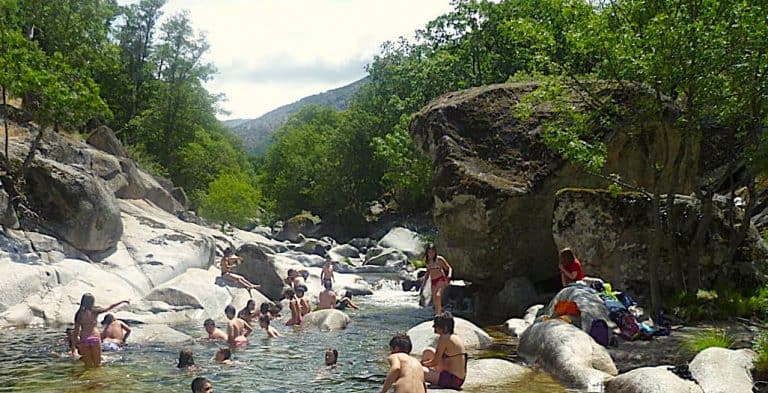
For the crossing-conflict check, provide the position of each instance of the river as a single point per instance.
(293, 363)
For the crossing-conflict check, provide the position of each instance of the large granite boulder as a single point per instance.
(75, 205)
(105, 140)
(297, 226)
(483, 374)
(405, 240)
(423, 335)
(259, 268)
(720, 370)
(650, 380)
(515, 297)
(157, 333)
(611, 234)
(389, 257)
(495, 180)
(590, 305)
(327, 320)
(567, 352)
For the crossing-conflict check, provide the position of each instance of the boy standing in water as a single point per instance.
(327, 273)
(264, 323)
(237, 329)
(405, 373)
(214, 333)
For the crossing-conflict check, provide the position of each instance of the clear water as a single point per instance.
(293, 363)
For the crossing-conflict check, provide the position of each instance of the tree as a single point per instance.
(231, 198)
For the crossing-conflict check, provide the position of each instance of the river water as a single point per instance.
(293, 363)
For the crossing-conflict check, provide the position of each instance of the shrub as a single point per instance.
(707, 339)
(419, 263)
(760, 345)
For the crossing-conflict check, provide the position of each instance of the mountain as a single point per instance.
(256, 134)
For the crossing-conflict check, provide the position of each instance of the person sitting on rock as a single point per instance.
(445, 366)
(249, 312)
(346, 301)
(327, 273)
(296, 278)
(114, 334)
(570, 267)
(201, 385)
(327, 298)
(228, 263)
(214, 333)
(293, 305)
(264, 323)
(405, 373)
(237, 329)
(439, 273)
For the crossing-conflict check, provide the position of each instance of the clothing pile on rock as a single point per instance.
(624, 311)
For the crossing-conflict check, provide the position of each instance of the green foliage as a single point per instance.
(707, 339)
(408, 173)
(146, 162)
(419, 263)
(709, 305)
(760, 346)
(231, 198)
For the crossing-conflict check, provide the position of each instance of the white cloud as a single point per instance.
(273, 52)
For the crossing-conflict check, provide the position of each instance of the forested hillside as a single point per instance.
(75, 64)
(256, 134)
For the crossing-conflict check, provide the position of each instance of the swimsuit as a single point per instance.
(91, 341)
(435, 281)
(240, 340)
(448, 380)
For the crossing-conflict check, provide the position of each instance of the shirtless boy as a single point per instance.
(228, 263)
(214, 333)
(264, 323)
(327, 298)
(85, 330)
(304, 304)
(237, 329)
(327, 273)
(115, 333)
(405, 373)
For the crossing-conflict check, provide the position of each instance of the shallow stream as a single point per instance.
(293, 363)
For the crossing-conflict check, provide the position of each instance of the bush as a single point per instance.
(760, 346)
(707, 339)
(419, 263)
(231, 198)
(722, 304)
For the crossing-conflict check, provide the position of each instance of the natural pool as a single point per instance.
(293, 363)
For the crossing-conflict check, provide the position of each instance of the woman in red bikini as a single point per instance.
(436, 272)
(86, 331)
(445, 366)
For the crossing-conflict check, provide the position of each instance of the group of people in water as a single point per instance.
(443, 366)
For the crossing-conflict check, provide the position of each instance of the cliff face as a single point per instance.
(495, 180)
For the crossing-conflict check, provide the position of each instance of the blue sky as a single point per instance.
(273, 52)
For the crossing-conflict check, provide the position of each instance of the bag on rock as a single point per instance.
(600, 332)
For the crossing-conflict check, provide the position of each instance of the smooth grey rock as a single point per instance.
(423, 335)
(405, 240)
(387, 257)
(156, 333)
(517, 295)
(76, 206)
(295, 227)
(340, 252)
(720, 370)
(326, 320)
(105, 140)
(515, 327)
(313, 246)
(610, 235)
(650, 380)
(260, 269)
(566, 352)
(362, 242)
(590, 305)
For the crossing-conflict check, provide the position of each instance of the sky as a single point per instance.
(271, 53)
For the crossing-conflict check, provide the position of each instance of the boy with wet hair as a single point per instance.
(331, 356)
(237, 329)
(201, 385)
(264, 323)
(214, 333)
(405, 373)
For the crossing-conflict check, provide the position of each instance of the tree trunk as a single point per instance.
(5, 125)
(653, 256)
(738, 236)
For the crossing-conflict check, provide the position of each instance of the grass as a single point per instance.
(707, 339)
(709, 305)
(760, 345)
